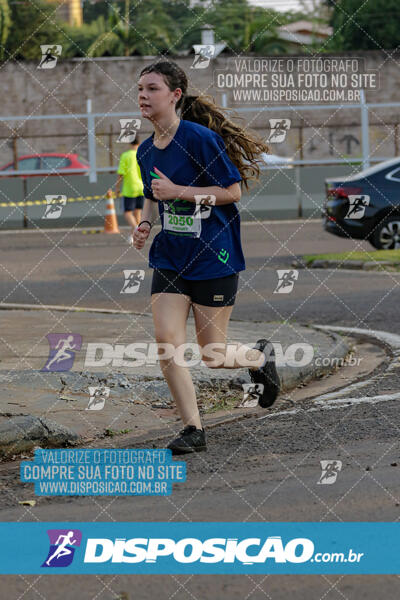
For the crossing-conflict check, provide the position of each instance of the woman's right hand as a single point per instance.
(140, 235)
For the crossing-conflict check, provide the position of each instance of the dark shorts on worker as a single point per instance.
(133, 203)
(207, 292)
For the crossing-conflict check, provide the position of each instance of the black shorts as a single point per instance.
(207, 292)
(132, 203)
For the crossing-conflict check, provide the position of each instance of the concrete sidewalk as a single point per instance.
(51, 408)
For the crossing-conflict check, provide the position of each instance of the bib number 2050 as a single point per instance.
(182, 224)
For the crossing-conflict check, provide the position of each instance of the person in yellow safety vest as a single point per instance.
(132, 188)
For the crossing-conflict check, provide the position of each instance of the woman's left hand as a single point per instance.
(163, 188)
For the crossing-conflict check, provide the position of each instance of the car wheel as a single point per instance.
(387, 234)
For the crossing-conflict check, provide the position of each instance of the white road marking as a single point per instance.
(337, 399)
(282, 412)
(336, 402)
(345, 390)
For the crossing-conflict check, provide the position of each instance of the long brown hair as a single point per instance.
(243, 148)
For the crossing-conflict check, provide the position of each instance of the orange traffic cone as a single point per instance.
(110, 222)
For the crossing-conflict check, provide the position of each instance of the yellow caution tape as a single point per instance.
(36, 202)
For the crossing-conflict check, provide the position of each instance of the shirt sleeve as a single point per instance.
(217, 168)
(147, 193)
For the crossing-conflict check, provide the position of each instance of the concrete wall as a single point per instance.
(111, 84)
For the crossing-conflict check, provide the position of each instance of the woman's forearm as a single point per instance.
(150, 211)
(222, 195)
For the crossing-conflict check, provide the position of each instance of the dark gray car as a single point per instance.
(366, 206)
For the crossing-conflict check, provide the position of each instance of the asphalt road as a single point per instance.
(255, 470)
(74, 269)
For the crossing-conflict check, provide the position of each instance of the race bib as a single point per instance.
(184, 225)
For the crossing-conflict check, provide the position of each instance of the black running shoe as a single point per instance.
(266, 375)
(190, 439)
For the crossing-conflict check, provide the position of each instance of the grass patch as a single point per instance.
(221, 398)
(378, 255)
(112, 433)
(213, 405)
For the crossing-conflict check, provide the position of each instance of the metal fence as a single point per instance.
(90, 119)
(89, 188)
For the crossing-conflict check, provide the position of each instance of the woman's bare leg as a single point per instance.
(170, 313)
(211, 327)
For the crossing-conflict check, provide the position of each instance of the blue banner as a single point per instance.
(91, 472)
(285, 548)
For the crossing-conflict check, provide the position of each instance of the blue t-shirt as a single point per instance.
(207, 245)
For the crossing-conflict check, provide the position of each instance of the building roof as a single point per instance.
(307, 28)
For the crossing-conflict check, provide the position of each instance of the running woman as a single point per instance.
(196, 260)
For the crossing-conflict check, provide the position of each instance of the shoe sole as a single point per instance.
(187, 450)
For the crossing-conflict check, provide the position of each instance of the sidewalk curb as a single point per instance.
(23, 430)
(22, 433)
(291, 378)
(61, 308)
(353, 265)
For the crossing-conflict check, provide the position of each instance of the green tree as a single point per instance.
(154, 27)
(317, 10)
(260, 37)
(93, 10)
(5, 24)
(32, 23)
(78, 40)
(366, 25)
(246, 28)
(136, 30)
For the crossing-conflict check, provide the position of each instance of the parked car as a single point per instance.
(53, 162)
(366, 206)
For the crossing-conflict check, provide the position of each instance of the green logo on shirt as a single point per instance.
(223, 255)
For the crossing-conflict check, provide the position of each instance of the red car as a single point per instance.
(52, 162)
